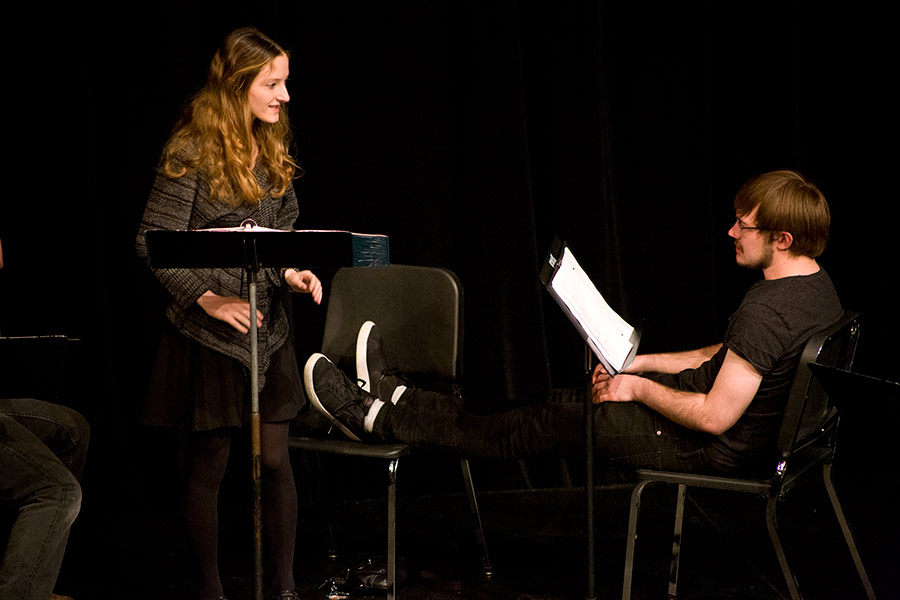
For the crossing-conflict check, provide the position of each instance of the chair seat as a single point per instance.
(758, 486)
(801, 463)
(348, 447)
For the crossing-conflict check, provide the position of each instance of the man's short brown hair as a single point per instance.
(787, 201)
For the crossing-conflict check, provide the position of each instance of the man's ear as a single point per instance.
(783, 240)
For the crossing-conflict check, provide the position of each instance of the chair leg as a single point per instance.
(631, 537)
(772, 524)
(845, 529)
(476, 515)
(676, 541)
(391, 580)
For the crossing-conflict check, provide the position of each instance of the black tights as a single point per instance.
(208, 457)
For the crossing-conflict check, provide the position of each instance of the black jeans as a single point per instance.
(628, 435)
(43, 448)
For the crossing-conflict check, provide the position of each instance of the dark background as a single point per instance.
(471, 133)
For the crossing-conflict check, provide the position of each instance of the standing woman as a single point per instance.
(227, 161)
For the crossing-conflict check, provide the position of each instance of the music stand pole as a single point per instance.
(589, 471)
(252, 267)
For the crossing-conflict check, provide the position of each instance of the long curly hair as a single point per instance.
(217, 131)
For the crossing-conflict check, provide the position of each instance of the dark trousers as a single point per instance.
(43, 448)
(627, 435)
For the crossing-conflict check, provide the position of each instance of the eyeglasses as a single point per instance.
(744, 228)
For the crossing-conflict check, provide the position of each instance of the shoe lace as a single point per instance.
(351, 401)
(392, 372)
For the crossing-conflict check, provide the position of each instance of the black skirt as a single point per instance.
(201, 389)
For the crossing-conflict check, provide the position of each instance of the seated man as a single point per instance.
(713, 410)
(43, 448)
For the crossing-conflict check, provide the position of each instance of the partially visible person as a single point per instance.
(712, 410)
(43, 449)
(228, 161)
(1, 267)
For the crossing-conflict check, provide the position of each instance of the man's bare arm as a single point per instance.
(715, 412)
(672, 362)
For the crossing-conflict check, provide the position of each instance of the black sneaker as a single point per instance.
(334, 395)
(373, 373)
(370, 364)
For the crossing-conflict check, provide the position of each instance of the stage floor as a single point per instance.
(536, 542)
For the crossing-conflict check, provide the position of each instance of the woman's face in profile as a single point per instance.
(269, 90)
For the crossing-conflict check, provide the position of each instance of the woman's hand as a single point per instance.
(231, 310)
(304, 282)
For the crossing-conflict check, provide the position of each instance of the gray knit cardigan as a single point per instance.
(184, 203)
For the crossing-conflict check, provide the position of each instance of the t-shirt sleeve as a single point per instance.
(758, 335)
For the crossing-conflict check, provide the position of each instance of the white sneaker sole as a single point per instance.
(362, 367)
(311, 394)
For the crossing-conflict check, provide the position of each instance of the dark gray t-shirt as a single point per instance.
(769, 330)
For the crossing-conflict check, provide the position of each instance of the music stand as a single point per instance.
(586, 324)
(252, 248)
(847, 386)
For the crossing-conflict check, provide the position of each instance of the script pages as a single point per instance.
(610, 337)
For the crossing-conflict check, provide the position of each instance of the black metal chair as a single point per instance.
(419, 313)
(806, 440)
(37, 366)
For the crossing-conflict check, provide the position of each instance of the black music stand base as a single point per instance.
(589, 473)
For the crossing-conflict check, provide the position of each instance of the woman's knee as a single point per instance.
(275, 459)
(274, 453)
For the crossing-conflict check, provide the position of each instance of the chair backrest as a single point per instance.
(810, 410)
(37, 366)
(418, 311)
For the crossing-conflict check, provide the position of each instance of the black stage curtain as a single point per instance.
(471, 133)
